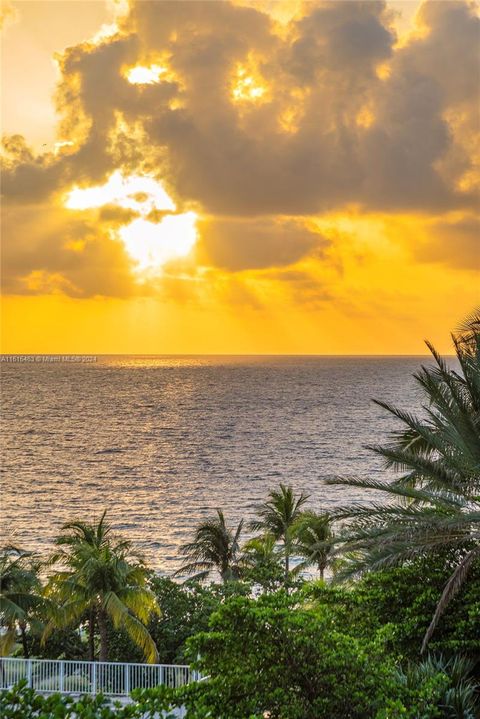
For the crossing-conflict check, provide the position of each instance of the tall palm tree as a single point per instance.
(20, 596)
(277, 517)
(100, 577)
(314, 543)
(436, 501)
(215, 547)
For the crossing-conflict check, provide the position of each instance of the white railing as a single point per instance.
(109, 678)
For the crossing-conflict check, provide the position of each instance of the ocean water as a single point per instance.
(161, 442)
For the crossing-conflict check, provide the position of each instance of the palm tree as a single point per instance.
(314, 541)
(20, 596)
(100, 577)
(215, 547)
(261, 562)
(277, 517)
(436, 501)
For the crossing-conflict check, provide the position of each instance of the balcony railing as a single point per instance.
(109, 678)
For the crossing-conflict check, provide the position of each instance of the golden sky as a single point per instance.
(238, 177)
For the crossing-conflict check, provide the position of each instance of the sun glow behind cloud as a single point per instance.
(248, 85)
(149, 244)
(141, 193)
(140, 75)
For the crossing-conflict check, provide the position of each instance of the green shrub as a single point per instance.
(403, 600)
(272, 655)
(436, 687)
(21, 702)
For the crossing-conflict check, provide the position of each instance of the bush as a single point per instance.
(61, 644)
(434, 688)
(272, 655)
(21, 702)
(186, 610)
(401, 602)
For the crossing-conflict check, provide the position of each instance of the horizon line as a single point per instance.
(213, 354)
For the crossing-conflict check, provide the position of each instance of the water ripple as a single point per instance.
(162, 442)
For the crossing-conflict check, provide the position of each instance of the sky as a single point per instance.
(239, 177)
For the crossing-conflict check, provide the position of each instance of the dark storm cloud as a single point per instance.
(258, 169)
(26, 177)
(232, 165)
(331, 159)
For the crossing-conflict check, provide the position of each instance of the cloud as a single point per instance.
(341, 115)
(241, 244)
(26, 177)
(51, 249)
(349, 37)
(455, 243)
(307, 289)
(411, 143)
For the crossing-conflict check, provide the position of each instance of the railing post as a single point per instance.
(127, 679)
(94, 678)
(29, 672)
(195, 674)
(62, 676)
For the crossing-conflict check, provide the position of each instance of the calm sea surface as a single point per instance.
(160, 442)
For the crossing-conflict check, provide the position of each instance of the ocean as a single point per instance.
(161, 442)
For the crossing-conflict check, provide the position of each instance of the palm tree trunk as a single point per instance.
(287, 563)
(91, 635)
(102, 629)
(23, 632)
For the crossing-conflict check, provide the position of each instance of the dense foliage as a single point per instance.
(275, 655)
(281, 657)
(20, 597)
(186, 611)
(399, 603)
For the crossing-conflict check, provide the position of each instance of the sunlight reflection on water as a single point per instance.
(162, 441)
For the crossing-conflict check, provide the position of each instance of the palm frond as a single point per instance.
(435, 503)
(121, 617)
(451, 588)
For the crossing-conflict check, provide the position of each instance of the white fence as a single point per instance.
(109, 678)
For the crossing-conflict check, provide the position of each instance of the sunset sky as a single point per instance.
(239, 177)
